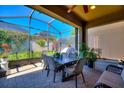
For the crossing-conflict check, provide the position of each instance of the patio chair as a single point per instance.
(44, 58)
(72, 55)
(75, 70)
(51, 66)
(64, 55)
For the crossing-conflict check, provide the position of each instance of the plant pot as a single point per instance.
(2, 73)
(4, 64)
(90, 63)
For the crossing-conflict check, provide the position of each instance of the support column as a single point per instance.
(76, 38)
(84, 33)
(29, 31)
(80, 36)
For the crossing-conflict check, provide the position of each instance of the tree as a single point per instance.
(14, 39)
(5, 41)
(73, 32)
(4, 37)
(41, 42)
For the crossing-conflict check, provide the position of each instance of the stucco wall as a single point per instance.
(109, 38)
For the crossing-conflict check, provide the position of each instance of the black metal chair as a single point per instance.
(64, 55)
(72, 55)
(75, 70)
(45, 62)
(51, 65)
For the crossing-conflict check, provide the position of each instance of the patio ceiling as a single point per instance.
(97, 12)
(102, 14)
(18, 16)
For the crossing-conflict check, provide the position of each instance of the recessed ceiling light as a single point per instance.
(92, 7)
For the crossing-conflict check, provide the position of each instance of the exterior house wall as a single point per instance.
(109, 38)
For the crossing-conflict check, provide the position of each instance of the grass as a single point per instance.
(25, 55)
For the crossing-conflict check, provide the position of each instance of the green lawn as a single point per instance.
(25, 55)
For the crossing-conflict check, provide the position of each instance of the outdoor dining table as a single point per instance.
(65, 62)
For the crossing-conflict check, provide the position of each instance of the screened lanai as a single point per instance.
(31, 31)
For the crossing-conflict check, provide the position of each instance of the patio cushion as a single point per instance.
(111, 79)
(70, 70)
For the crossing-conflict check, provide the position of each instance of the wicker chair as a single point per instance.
(75, 70)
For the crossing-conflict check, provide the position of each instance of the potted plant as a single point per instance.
(4, 61)
(83, 50)
(121, 63)
(57, 55)
(3, 64)
(89, 54)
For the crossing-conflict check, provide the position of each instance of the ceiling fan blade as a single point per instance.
(71, 8)
(85, 7)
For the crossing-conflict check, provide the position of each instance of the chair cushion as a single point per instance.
(122, 75)
(69, 70)
(111, 79)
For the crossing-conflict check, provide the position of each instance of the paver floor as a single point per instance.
(35, 77)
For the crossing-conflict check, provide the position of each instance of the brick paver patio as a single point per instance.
(33, 76)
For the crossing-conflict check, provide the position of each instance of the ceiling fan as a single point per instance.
(85, 7)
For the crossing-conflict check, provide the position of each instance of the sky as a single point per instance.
(20, 10)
